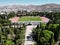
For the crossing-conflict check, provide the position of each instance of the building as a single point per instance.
(21, 13)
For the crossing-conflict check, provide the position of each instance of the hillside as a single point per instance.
(45, 7)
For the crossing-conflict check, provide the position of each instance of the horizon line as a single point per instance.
(28, 4)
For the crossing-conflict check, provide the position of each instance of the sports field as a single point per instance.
(30, 18)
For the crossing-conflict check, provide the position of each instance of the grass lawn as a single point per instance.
(30, 18)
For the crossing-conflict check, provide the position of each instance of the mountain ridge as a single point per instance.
(44, 7)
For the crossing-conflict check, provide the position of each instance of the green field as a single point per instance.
(30, 18)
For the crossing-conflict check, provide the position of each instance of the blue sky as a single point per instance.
(27, 2)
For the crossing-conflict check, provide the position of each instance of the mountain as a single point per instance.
(45, 7)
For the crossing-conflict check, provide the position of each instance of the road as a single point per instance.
(28, 37)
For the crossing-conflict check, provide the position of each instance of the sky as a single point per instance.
(28, 2)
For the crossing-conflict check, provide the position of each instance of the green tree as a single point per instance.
(43, 37)
(9, 42)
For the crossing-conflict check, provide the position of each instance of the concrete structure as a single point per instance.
(16, 20)
(29, 41)
(44, 19)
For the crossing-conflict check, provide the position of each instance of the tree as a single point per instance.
(55, 29)
(43, 37)
(11, 14)
(9, 42)
(46, 36)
